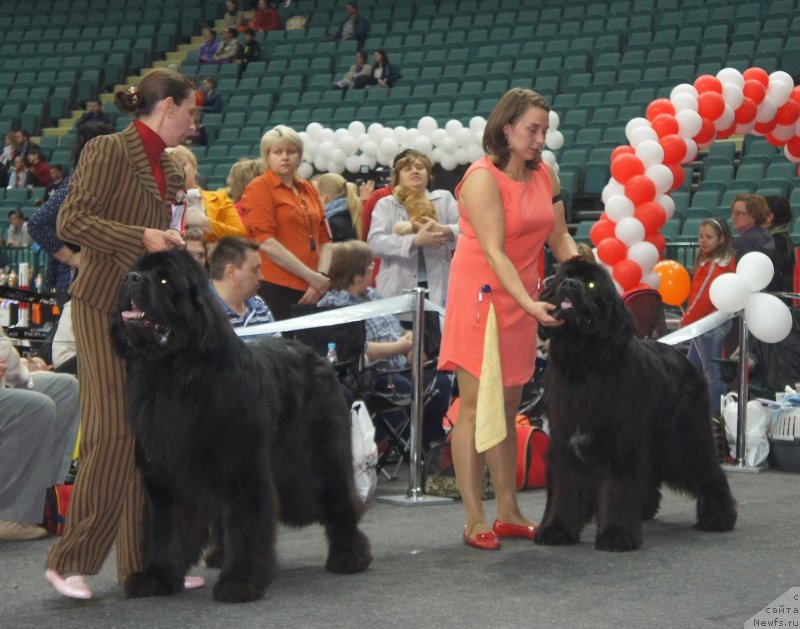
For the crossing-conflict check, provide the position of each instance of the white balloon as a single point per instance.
(411, 135)
(768, 318)
(779, 91)
(448, 162)
(464, 137)
(479, 138)
(650, 152)
(370, 148)
(667, 203)
(757, 269)
(437, 154)
(383, 159)
(726, 119)
(427, 125)
(357, 128)
(618, 207)
(652, 279)
(438, 136)
(554, 120)
(612, 188)
(335, 167)
(642, 134)
(684, 102)
(353, 164)
(453, 127)
(745, 129)
(462, 156)
(389, 147)
(691, 151)
(374, 131)
(313, 129)
(779, 76)
(422, 143)
(305, 170)
(635, 123)
(400, 135)
(661, 176)
(766, 110)
(554, 139)
(730, 76)
(689, 123)
(733, 95)
(340, 133)
(645, 254)
(783, 132)
(338, 158)
(362, 140)
(448, 145)
(683, 88)
(547, 156)
(325, 149)
(325, 135)
(478, 123)
(730, 292)
(320, 165)
(630, 231)
(303, 136)
(310, 147)
(475, 152)
(369, 161)
(556, 169)
(348, 144)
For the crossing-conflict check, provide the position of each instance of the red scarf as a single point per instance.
(153, 146)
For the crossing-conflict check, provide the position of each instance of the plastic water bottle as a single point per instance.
(331, 355)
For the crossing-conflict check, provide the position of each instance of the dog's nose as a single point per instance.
(570, 284)
(132, 277)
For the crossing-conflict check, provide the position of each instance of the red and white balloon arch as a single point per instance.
(637, 200)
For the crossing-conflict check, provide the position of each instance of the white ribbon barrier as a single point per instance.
(701, 326)
(389, 306)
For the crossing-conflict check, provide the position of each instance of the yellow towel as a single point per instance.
(490, 420)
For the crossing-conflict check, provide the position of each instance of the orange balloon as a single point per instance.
(674, 284)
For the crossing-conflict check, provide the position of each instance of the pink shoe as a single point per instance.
(72, 587)
(191, 583)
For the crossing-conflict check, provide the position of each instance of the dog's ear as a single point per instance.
(621, 321)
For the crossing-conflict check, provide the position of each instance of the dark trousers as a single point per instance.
(280, 299)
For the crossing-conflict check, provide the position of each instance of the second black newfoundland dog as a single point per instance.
(625, 416)
(238, 434)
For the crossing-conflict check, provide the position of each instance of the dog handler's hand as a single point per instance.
(541, 310)
(157, 240)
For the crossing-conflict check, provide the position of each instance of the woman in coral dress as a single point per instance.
(509, 206)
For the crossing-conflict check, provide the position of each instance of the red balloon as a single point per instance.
(747, 111)
(640, 189)
(795, 95)
(626, 166)
(707, 83)
(657, 239)
(726, 133)
(610, 251)
(664, 124)
(622, 150)
(765, 127)
(651, 215)
(756, 74)
(627, 273)
(678, 175)
(660, 106)
(788, 113)
(710, 105)
(755, 91)
(793, 146)
(706, 133)
(674, 148)
(774, 141)
(601, 230)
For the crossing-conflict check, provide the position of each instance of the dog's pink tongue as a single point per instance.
(131, 315)
(566, 304)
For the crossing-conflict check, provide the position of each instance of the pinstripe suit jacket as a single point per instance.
(112, 198)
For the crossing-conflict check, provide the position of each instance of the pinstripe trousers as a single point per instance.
(107, 500)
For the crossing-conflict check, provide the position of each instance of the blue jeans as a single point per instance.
(703, 349)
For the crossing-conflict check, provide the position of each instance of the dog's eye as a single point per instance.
(164, 280)
(590, 285)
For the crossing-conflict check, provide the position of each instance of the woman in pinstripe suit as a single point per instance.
(118, 207)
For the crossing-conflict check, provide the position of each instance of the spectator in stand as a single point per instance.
(384, 74)
(62, 267)
(196, 246)
(199, 97)
(283, 214)
(198, 137)
(249, 51)
(749, 215)
(24, 143)
(209, 47)
(342, 206)
(414, 247)
(228, 50)
(778, 220)
(233, 16)
(358, 75)
(38, 169)
(94, 113)
(56, 177)
(354, 26)
(211, 212)
(265, 18)
(17, 232)
(7, 157)
(242, 173)
(212, 101)
(18, 177)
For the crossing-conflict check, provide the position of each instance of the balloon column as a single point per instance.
(356, 146)
(766, 316)
(643, 172)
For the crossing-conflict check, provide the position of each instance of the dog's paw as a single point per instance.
(555, 535)
(617, 540)
(718, 521)
(237, 591)
(140, 584)
(355, 559)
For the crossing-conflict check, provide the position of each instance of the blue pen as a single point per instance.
(485, 289)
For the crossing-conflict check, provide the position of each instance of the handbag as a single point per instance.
(532, 444)
(365, 452)
(56, 503)
(439, 476)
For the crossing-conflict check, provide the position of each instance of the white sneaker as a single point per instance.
(20, 531)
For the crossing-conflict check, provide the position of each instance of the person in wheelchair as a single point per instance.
(388, 346)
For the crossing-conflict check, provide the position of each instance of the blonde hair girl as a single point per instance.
(342, 206)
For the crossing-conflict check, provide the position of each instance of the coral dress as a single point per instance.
(529, 218)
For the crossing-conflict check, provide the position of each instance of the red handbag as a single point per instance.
(56, 503)
(532, 444)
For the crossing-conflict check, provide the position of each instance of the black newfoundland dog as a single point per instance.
(238, 434)
(625, 416)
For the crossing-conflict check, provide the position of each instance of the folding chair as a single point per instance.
(648, 312)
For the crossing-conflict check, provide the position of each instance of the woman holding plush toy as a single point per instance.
(510, 207)
(414, 231)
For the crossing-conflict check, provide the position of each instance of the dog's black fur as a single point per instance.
(239, 434)
(625, 416)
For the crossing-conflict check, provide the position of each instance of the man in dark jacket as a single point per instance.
(353, 27)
